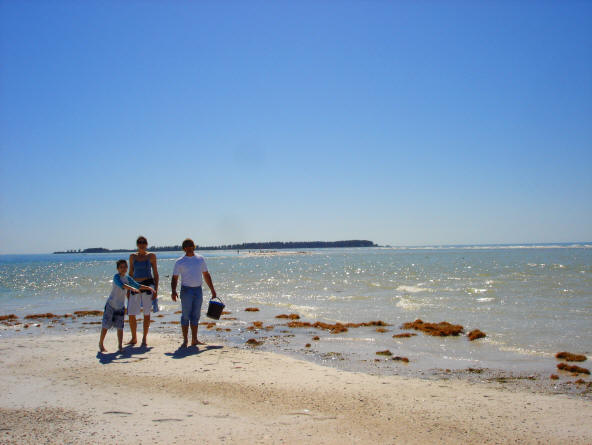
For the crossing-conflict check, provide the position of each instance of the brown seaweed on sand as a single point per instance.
(442, 329)
(254, 342)
(308, 345)
(554, 377)
(401, 359)
(572, 368)
(258, 324)
(580, 382)
(8, 317)
(385, 352)
(475, 334)
(226, 313)
(290, 316)
(333, 328)
(381, 330)
(569, 357)
(36, 316)
(252, 309)
(88, 313)
(316, 338)
(404, 335)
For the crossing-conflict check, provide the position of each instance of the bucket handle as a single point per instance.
(217, 298)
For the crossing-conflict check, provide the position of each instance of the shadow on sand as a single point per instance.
(126, 353)
(186, 351)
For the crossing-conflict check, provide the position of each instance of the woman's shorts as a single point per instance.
(113, 317)
(143, 299)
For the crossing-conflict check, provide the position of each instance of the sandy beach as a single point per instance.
(56, 389)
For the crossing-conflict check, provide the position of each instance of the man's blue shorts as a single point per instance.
(191, 301)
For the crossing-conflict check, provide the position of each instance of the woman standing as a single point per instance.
(143, 269)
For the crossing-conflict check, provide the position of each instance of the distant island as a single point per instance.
(276, 245)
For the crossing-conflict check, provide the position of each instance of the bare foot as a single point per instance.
(120, 350)
(184, 344)
(197, 342)
(132, 342)
(144, 342)
(102, 348)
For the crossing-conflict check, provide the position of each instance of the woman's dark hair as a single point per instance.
(141, 238)
(187, 242)
(119, 262)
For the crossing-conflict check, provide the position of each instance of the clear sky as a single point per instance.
(407, 122)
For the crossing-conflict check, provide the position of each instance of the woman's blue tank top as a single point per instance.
(142, 269)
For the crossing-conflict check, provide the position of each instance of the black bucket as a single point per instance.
(215, 308)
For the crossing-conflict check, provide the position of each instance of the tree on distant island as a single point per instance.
(276, 245)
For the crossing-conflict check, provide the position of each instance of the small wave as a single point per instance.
(485, 299)
(412, 289)
(409, 305)
(475, 290)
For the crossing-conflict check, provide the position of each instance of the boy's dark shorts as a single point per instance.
(113, 317)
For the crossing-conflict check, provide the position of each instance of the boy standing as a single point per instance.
(191, 267)
(115, 306)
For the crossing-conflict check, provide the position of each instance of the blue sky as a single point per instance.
(400, 122)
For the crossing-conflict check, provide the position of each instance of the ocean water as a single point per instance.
(530, 301)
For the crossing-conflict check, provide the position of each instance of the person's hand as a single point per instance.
(213, 294)
(135, 291)
(154, 294)
(174, 295)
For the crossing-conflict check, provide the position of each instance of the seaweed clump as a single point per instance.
(316, 338)
(475, 334)
(336, 328)
(401, 359)
(254, 342)
(9, 317)
(569, 357)
(442, 329)
(290, 316)
(404, 335)
(36, 316)
(88, 313)
(554, 377)
(252, 309)
(572, 368)
(385, 352)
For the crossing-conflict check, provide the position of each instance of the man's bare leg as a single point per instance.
(194, 340)
(185, 330)
(133, 325)
(120, 339)
(146, 327)
(101, 346)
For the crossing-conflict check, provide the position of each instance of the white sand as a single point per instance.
(55, 390)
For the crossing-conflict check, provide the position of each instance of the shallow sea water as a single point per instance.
(530, 301)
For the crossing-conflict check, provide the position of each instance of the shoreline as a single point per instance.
(62, 391)
(331, 351)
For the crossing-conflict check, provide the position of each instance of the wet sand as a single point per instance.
(57, 389)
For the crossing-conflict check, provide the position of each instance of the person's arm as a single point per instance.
(133, 284)
(131, 264)
(121, 284)
(154, 273)
(208, 279)
(174, 287)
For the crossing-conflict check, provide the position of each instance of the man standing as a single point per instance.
(191, 267)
